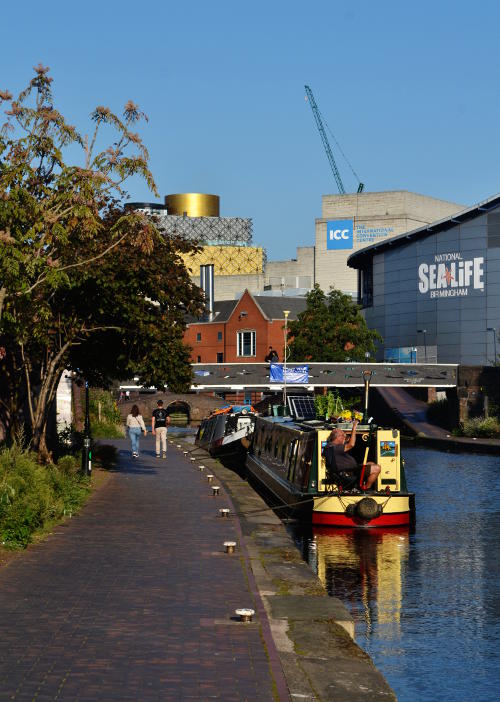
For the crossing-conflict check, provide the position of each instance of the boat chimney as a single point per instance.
(367, 376)
(207, 285)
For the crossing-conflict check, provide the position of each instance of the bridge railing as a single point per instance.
(247, 376)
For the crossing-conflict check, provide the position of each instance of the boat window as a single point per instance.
(283, 450)
(304, 460)
(292, 455)
(276, 443)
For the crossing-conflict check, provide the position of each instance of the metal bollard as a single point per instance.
(245, 615)
(224, 512)
(229, 546)
(215, 490)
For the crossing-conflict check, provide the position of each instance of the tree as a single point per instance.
(330, 329)
(85, 284)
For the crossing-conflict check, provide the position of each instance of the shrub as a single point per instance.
(32, 497)
(484, 427)
(105, 418)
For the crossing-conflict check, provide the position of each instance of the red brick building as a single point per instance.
(242, 330)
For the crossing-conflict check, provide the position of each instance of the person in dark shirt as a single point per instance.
(272, 356)
(337, 457)
(159, 422)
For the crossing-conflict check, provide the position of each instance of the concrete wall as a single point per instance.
(294, 273)
(231, 287)
(376, 216)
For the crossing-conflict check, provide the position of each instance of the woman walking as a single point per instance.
(135, 424)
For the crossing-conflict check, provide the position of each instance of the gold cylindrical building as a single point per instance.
(193, 204)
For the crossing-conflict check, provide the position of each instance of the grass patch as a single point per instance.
(34, 497)
(105, 419)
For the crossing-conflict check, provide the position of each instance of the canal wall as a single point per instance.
(313, 633)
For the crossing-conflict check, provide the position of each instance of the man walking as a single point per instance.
(159, 422)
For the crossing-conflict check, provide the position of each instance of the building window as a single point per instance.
(246, 343)
(198, 336)
(248, 398)
(219, 336)
(199, 359)
(220, 358)
(365, 284)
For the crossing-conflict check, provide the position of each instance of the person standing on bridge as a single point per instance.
(272, 356)
(159, 422)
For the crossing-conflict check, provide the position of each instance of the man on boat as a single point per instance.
(338, 461)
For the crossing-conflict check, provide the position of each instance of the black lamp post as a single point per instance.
(424, 332)
(86, 452)
(494, 330)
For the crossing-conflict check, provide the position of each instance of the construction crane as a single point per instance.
(326, 144)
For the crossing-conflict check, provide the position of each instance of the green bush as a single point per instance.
(484, 427)
(105, 419)
(32, 497)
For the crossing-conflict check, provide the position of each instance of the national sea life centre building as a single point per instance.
(434, 293)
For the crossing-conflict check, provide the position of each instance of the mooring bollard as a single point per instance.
(202, 468)
(224, 512)
(229, 546)
(210, 477)
(192, 459)
(245, 615)
(215, 490)
(178, 446)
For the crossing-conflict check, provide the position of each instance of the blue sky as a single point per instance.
(410, 90)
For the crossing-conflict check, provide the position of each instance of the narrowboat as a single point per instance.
(227, 432)
(286, 458)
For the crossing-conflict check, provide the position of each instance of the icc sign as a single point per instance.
(339, 234)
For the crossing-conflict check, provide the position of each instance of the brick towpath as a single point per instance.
(134, 599)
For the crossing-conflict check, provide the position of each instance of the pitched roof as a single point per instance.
(270, 306)
(356, 259)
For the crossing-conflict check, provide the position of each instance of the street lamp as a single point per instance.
(285, 354)
(494, 330)
(424, 332)
(86, 452)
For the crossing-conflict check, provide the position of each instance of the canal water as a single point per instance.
(426, 605)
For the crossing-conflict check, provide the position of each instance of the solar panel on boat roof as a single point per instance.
(302, 406)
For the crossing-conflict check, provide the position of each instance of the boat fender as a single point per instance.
(350, 510)
(368, 508)
(244, 411)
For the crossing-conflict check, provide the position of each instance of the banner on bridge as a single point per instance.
(294, 374)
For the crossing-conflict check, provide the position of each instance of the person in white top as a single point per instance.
(135, 424)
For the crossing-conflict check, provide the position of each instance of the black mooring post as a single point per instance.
(86, 452)
(367, 376)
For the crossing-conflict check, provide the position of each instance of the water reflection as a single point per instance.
(425, 605)
(364, 569)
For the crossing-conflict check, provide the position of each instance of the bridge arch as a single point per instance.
(180, 412)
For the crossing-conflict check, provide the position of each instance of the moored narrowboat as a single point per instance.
(286, 457)
(227, 431)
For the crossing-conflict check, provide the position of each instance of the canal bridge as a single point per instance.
(256, 376)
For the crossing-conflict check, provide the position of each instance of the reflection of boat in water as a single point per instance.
(364, 567)
(286, 457)
(227, 431)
